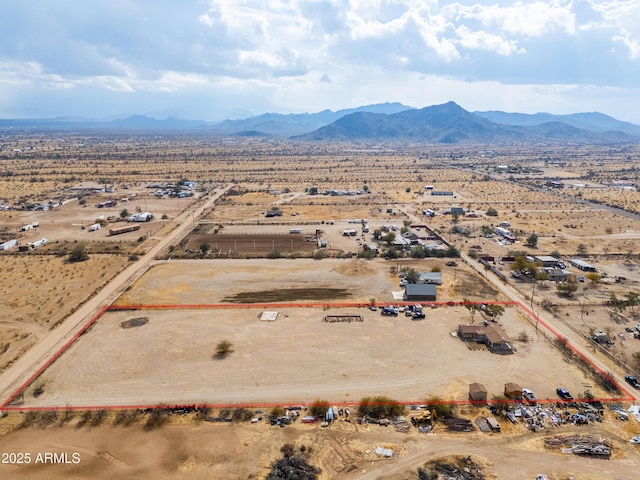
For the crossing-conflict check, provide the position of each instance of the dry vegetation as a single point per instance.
(39, 289)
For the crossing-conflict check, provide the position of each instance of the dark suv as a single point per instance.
(564, 393)
(633, 381)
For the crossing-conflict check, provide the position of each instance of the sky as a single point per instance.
(218, 59)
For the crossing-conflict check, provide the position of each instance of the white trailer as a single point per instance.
(94, 227)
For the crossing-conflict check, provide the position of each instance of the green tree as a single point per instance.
(224, 349)
(439, 407)
(594, 277)
(124, 213)
(567, 288)
(532, 240)
(494, 311)
(313, 191)
(633, 298)
(389, 238)
(412, 275)
(78, 254)
(472, 307)
(582, 249)
(380, 407)
(204, 248)
(491, 212)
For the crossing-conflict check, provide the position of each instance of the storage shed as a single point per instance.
(477, 392)
(513, 391)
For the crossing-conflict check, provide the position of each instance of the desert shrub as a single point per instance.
(242, 414)
(440, 407)
(319, 408)
(78, 254)
(380, 407)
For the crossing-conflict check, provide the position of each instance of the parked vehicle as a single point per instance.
(389, 311)
(633, 381)
(564, 393)
(418, 316)
(529, 396)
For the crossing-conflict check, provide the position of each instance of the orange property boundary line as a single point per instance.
(5, 406)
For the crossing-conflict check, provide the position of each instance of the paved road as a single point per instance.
(27, 365)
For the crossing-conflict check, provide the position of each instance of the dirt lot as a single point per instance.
(170, 358)
(185, 449)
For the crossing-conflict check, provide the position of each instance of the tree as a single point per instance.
(412, 275)
(532, 240)
(582, 249)
(224, 348)
(313, 191)
(567, 288)
(633, 298)
(491, 212)
(380, 407)
(494, 311)
(472, 307)
(205, 247)
(389, 238)
(78, 254)
(124, 213)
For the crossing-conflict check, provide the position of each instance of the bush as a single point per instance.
(380, 407)
(441, 409)
(319, 408)
(78, 254)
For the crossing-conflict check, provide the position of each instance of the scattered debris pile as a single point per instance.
(456, 424)
(343, 318)
(451, 468)
(580, 444)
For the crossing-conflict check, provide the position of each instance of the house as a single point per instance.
(494, 337)
(420, 292)
(477, 392)
(546, 260)
(513, 391)
(557, 274)
(434, 278)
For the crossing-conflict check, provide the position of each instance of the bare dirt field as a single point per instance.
(44, 289)
(299, 357)
(185, 449)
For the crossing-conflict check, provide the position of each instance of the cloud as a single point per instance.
(299, 55)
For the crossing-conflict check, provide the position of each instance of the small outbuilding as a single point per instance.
(513, 391)
(477, 392)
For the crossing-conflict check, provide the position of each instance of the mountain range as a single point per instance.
(438, 124)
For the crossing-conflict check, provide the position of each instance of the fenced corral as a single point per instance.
(251, 245)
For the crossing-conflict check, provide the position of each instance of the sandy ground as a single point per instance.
(343, 451)
(297, 358)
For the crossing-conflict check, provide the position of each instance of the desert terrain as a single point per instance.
(57, 183)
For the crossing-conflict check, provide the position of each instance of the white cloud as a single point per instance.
(306, 55)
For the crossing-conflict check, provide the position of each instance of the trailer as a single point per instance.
(94, 227)
(295, 231)
(125, 229)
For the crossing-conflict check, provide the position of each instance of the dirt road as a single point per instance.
(32, 361)
(547, 321)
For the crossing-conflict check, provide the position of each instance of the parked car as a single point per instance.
(451, 264)
(529, 396)
(581, 278)
(633, 381)
(418, 315)
(373, 308)
(564, 393)
(389, 311)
